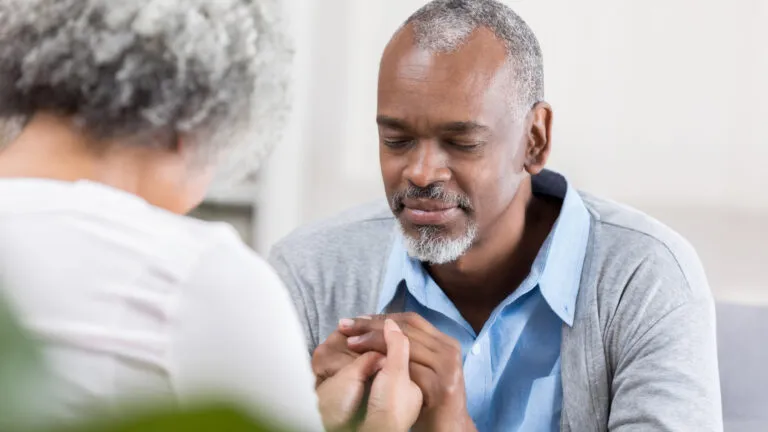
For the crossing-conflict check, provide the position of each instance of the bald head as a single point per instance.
(472, 81)
(442, 26)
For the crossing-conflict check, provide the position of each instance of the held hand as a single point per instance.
(331, 356)
(395, 401)
(340, 396)
(341, 393)
(435, 366)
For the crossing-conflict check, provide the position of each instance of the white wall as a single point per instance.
(279, 206)
(658, 103)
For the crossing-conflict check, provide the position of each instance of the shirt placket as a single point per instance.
(477, 377)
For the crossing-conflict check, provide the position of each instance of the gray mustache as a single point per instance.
(434, 192)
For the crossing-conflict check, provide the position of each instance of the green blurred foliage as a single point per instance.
(21, 373)
(212, 418)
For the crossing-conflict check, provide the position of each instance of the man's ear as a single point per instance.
(539, 138)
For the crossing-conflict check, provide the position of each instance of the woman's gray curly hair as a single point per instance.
(216, 71)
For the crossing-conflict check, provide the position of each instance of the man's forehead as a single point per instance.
(461, 84)
(482, 55)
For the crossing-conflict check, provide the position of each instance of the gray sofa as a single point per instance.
(743, 356)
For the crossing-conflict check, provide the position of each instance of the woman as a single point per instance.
(129, 107)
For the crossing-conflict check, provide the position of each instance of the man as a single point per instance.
(117, 115)
(528, 305)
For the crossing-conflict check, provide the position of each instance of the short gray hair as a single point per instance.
(443, 25)
(209, 69)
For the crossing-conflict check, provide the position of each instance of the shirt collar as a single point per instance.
(561, 258)
(402, 269)
(556, 269)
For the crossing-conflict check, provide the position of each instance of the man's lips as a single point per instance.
(429, 212)
(427, 205)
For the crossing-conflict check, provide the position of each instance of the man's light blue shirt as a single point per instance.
(512, 367)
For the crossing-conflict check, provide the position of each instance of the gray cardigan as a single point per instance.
(641, 355)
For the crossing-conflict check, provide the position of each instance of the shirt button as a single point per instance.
(476, 349)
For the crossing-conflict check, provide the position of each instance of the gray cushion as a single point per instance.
(743, 355)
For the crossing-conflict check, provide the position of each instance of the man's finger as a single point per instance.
(415, 320)
(418, 349)
(359, 326)
(426, 379)
(360, 329)
(406, 321)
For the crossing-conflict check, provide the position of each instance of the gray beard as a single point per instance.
(434, 247)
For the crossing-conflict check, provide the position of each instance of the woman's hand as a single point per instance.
(395, 401)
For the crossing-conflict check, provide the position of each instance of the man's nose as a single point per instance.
(427, 164)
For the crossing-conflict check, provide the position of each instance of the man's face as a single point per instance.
(451, 151)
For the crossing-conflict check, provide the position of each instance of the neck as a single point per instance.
(498, 262)
(52, 147)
